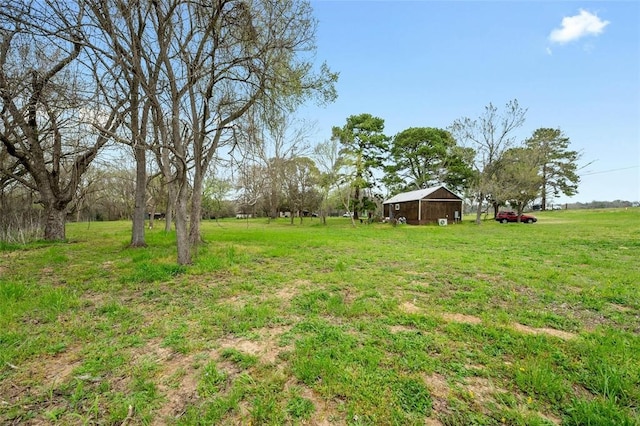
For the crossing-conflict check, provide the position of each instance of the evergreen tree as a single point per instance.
(363, 147)
(558, 164)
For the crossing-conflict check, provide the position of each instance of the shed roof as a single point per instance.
(414, 195)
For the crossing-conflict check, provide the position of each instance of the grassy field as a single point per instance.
(317, 325)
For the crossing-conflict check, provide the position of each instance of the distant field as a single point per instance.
(308, 324)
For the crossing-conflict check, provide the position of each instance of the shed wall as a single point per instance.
(431, 211)
(442, 193)
(434, 210)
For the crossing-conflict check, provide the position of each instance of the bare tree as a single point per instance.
(219, 61)
(54, 117)
(122, 43)
(273, 143)
(491, 134)
(329, 162)
(189, 71)
(300, 185)
(258, 56)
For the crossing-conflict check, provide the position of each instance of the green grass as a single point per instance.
(302, 324)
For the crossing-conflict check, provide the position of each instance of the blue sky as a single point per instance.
(574, 65)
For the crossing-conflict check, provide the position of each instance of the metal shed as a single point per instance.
(425, 206)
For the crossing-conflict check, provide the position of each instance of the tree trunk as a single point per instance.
(54, 227)
(172, 187)
(171, 205)
(520, 210)
(479, 212)
(182, 235)
(196, 209)
(356, 204)
(137, 233)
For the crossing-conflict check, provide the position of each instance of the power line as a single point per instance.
(609, 171)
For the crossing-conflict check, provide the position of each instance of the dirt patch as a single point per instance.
(154, 351)
(179, 383)
(409, 308)
(439, 390)
(59, 370)
(177, 378)
(286, 294)
(38, 376)
(482, 390)
(465, 319)
(438, 386)
(326, 411)
(266, 348)
(565, 335)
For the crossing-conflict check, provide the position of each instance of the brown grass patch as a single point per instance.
(564, 335)
(266, 348)
(177, 378)
(38, 377)
(437, 385)
(439, 390)
(287, 293)
(178, 382)
(326, 411)
(482, 390)
(465, 319)
(59, 369)
(410, 308)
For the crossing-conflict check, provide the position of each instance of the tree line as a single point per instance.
(185, 88)
(175, 81)
(480, 158)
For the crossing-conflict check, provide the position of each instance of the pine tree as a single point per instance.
(558, 163)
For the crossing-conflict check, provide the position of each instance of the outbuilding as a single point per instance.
(425, 206)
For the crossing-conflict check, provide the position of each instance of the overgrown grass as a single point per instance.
(304, 324)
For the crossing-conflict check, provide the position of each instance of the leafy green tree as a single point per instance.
(363, 147)
(214, 197)
(558, 164)
(516, 178)
(421, 157)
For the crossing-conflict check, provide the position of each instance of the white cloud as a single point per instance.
(578, 26)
